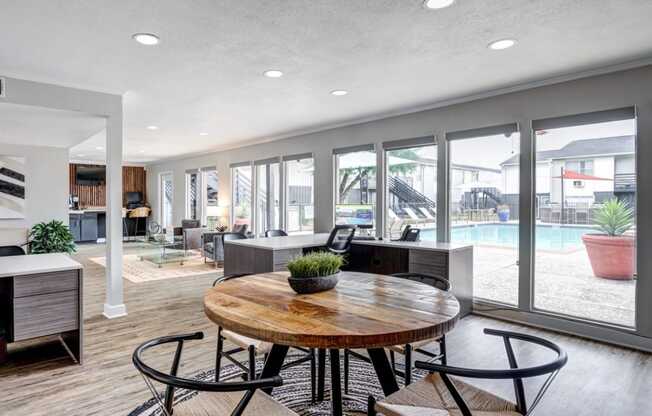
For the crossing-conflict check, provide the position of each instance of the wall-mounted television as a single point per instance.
(91, 175)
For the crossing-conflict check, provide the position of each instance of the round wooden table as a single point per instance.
(367, 311)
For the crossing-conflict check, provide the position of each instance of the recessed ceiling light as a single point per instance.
(152, 127)
(502, 44)
(339, 93)
(273, 73)
(203, 133)
(99, 148)
(437, 4)
(148, 39)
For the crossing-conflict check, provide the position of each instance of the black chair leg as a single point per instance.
(408, 364)
(346, 371)
(371, 406)
(321, 373)
(313, 376)
(252, 362)
(218, 355)
(392, 358)
(442, 349)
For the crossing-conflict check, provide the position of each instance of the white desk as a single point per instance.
(451, 261)
(40, 295)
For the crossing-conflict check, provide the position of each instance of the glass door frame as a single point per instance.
(641, 335)
(281, 179)
(161, 178)
(284, 185)
(507, 129)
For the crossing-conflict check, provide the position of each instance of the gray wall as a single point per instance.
(589, 94)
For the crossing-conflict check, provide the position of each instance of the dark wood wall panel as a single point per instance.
(134, 179)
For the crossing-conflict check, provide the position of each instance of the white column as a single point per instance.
(114, 305)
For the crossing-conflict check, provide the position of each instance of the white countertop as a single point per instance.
(316, 240)
(81, 211)
(417, 245)
(283, 243)
(36, 263)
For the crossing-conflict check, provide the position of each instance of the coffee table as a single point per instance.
(165, 250)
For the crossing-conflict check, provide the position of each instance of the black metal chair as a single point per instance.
(255, 348)
(219, 399)
(440, 391)
(338, 243)
(275, 233)
(408, 349)
(11, 251)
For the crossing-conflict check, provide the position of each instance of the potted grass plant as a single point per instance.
(314, 272)
(611, 253)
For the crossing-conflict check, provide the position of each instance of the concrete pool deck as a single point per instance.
(564, 283)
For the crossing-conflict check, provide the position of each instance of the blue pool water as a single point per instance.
(506, 235)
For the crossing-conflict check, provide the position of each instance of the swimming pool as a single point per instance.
(548, 237)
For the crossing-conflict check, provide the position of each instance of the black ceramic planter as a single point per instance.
(305, 285)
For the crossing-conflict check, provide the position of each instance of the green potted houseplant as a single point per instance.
(611, 253)
(314, 272)
(51, 237)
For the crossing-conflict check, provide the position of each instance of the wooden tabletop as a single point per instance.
(363, 311)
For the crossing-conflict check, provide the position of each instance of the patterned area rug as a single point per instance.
(138, 271)
(295, 391)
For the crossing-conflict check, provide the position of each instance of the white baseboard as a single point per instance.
(114, 311)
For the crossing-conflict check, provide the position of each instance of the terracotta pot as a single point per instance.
(611, 257)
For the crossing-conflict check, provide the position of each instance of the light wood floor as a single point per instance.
(598, 380)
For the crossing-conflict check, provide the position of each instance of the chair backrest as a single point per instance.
(233, 236)
(429, 279)
(410, 234)
(275, 233)
(190, 224)
(240, 229)
(337, 245)
(11, 251)
(515, 373)
(172, 381)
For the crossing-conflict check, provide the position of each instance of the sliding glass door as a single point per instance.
(268, 196)
(166, 192)
(355, 186)
(585, 245)
(411, 194)
(484, 207)
(193, 195)
(299, 194)
(241, 182)
(210, 212)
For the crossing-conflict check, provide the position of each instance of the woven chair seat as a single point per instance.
(430, 397)
(241, 341)
(222, 404)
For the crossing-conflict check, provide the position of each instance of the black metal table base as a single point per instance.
(381, 364)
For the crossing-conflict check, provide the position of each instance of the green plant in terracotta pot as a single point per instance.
(51, 237)
(314, 272)
(612, 253)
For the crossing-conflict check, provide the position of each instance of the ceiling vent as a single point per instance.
(2, 88)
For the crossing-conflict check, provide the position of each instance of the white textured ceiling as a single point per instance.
(27, 125)
(205, 75)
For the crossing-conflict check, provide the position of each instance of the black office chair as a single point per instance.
(215, 398)
(453, 394)
(255, 348)
(275, 233)
(338, 245)
(409, 234)
(11, 251)
(240, 229)
(408, 349)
